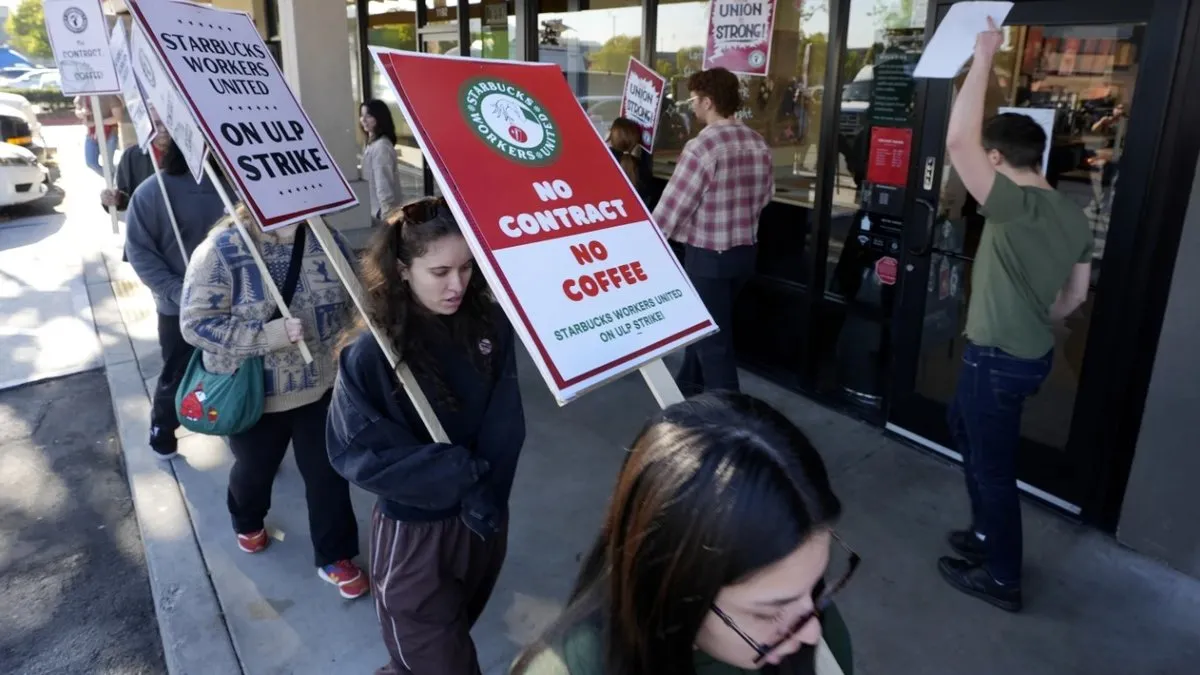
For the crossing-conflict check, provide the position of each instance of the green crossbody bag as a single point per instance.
(224, 404)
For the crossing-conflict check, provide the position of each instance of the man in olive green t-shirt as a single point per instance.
(1032, 269)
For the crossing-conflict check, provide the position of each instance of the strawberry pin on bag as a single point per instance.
(224, 404)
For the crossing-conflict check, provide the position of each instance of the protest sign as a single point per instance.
(134, 104)
(78, 32)
(253, 123)
(642, 99)
(587, 279)
(739, 35)
(166, 101)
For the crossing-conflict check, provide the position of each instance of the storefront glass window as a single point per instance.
(784, 106)
(592, 41)
(393, 23)
(493, 25)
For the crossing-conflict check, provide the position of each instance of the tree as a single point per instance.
(666, 68)
(27, 30)
(614, 55)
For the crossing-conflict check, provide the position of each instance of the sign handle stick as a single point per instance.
(661, 384)
(170, 210)
(346, 273)
(262, 266)
(98, 121)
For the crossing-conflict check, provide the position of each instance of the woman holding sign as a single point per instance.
(439, 533)
(228, 314)
(717, 556)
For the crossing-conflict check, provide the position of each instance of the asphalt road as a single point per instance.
(74, 593)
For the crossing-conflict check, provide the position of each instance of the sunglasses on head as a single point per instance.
(422, 210)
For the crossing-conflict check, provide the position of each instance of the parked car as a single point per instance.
(29, 110)
(15, 129)
(22, 177)
(10, 73)
(37, 79)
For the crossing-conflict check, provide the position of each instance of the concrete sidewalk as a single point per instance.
(1092, 607)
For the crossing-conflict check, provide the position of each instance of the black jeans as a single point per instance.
(718, 277)
(985, 422)
(176, 353)
(257, 454)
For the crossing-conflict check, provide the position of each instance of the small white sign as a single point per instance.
(78, 32)
(1045, 119)
(135, 105)
(245, 109)
(167, 103)
(954, 41)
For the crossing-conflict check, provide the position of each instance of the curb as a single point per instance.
(191, 623)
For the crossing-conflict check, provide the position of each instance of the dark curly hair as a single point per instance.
(406, 234)
(719, 85)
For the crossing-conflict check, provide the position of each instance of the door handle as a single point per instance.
(927, 247)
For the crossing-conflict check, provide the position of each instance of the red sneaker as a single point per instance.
(349, 579)
(254, 542)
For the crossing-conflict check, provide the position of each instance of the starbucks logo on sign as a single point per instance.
(757, 59)
(75, 20)
(511, 121)
(147, 69)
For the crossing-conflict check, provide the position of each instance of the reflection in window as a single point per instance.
(393, 23)
(593, 48)
(784, 106)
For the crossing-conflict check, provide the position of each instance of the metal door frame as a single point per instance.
(1099, 415)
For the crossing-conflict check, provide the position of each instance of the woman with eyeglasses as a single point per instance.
(717, 555)
(439, 531)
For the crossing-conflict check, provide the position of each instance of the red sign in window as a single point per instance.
(890, 151)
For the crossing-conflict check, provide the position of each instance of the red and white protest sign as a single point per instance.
(642, 99)
(253, 123)
(739, 35)
(587, 279)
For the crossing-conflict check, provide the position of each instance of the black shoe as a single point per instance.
(974, 580)
(164, 445)
(967, 546)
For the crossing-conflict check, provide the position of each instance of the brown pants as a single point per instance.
(431, 582)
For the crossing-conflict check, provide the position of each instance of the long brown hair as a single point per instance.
(625, 138)
(406, 234)
(715, 489)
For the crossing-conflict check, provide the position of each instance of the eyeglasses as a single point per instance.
(824, 598)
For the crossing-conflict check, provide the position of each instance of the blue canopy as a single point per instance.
(10, 58)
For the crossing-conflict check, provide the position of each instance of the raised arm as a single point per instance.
(964, 137)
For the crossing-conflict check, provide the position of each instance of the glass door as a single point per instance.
(1076, 72)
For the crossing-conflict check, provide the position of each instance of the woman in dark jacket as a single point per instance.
(439, 531)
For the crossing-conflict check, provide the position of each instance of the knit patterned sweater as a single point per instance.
(225, 311)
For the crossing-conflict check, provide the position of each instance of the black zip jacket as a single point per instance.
(377, 441)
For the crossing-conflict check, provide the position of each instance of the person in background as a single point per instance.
(228, 315)
(136, 165)
(112, 108)
(717, 554)
(625, 141)
(153, 250)
(1032, 269)
(440, 528)
(724, 179)
(379, 158)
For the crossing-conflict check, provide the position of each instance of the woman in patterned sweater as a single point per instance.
(227, 313)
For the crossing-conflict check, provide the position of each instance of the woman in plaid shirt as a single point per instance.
(724, 179)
